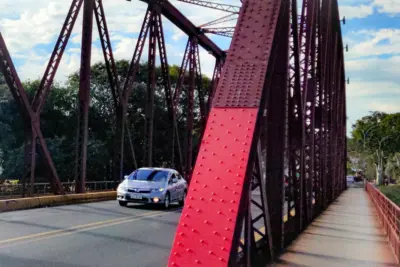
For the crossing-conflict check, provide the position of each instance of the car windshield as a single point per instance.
(149, 175)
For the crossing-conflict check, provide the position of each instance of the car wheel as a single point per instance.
(123, 203)
(182, 202)
(167, 201)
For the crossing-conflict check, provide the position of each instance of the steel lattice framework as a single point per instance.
(276, 108)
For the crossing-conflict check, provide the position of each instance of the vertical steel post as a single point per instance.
(296, 127)
(168, 94)
(214, 81)
(151, 87)
(84, 97)
(190, 112)
(277, 82)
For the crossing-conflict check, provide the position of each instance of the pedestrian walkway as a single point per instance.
(348, 233)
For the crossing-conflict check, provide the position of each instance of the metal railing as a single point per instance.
(8, 191)
(389, 214)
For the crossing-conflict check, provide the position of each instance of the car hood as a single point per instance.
(142, 184)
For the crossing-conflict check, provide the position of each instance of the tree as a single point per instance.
(59, 119)
(393, 167)
(377, 137)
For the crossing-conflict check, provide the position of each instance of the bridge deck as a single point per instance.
(348, 233)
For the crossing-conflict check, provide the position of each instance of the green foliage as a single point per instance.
(392, 192)
(375, 140)
(393, 166)
(378, 131)
(59, 120)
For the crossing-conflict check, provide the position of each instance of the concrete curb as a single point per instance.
(46, 201)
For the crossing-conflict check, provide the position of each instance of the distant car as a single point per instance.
(350, 179)
(154, 186)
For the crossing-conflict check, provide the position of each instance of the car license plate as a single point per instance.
(136, 196)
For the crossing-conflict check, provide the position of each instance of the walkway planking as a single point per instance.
(348, 233)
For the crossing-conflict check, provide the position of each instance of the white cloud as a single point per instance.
(385, 107)
(30, 25)
(391, 7)
(178, 34)
(363, 8)
(373, 43)
(358, 12)
(372, 88)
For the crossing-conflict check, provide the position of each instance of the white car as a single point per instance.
(153, 186)
(350, 179)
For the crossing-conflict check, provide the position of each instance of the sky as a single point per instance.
(372, 33)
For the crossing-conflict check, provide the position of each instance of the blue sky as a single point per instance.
(372, 32)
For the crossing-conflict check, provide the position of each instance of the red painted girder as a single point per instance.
(134, 66)
(177, 18)
(182, 71)
(84, 97)
(207, 234)
(107, 52)
(56, 56)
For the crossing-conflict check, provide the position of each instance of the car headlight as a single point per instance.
(157, 190)
(121, 188)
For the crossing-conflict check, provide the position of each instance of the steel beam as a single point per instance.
(226, 154)
(307, 48)
(214, 81)
(166, 80)
(84, 97)
(230, 17)
(151, 87)
(28, 115)
(177, 18)
(277, 84)
(223, 7)
(56, 56)
(296, 132)
(223, 31)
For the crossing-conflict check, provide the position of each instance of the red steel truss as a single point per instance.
(275, 111)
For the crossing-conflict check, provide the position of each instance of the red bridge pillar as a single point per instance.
(209, 230)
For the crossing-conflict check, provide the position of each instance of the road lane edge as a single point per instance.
(47, 201)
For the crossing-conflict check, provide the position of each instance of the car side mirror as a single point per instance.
(126, 177)
(173, 181)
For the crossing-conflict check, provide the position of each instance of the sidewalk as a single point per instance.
(348, 233)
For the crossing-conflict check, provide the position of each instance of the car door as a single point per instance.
(181, 185)
(172, 189)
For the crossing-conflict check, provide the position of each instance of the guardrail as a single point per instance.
(389, 214)
(42, 189)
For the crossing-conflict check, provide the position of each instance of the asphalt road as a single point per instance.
(88, 235)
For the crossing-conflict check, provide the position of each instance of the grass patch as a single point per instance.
(392, 192)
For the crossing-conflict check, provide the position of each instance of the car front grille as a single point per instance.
(138, 190)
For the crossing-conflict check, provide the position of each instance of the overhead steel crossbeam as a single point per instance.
(177, 18)
(223, 31)
(278, 110)
(213, 5)
(230, 17)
